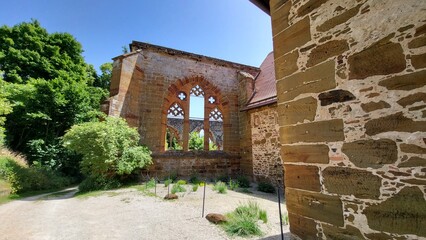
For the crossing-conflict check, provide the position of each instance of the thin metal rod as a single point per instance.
(279, 208)
(204, 196)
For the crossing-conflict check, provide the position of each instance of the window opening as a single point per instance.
(175, 119)
(196, 118)
(216, 130)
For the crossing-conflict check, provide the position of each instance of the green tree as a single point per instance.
(5, 108)
(110, 149)
(104, 80)
(196, 142)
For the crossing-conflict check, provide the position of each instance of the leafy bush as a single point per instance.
(194, 187)
(181, 182)
(243, 220)
(194, 179)
(110, 150)
(178, 188)
(167, 182)
(243, 181)
(151, 183)
(98, 183)
(266, 187)
(220, 187)
(232, 185)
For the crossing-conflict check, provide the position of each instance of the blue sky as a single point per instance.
(233, 30)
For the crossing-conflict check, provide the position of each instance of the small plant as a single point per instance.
(194, 179)
(181, 182)
(263, 215)
(194, 187)
(201, 184)
(150, 184)
(232, 185)
(178, 188)
(222, 178)
(243, 221)
(173, 176)
(266, 187)
(167, 182)
(245, 190)
(284, 219)
(243, 181)
(220, 187)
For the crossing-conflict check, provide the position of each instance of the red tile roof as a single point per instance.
(265, 91)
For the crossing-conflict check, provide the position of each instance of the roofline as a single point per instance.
(263, 5)
(260, 103)
(137, 47)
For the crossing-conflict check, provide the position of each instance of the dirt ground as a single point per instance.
(130, 214)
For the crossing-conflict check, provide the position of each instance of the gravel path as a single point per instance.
(128, 214)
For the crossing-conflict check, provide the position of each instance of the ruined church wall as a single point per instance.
(351, 86)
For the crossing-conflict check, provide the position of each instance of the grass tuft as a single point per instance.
(220, 187)
(243, 221)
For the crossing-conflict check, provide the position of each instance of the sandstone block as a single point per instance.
(395, 215)
(292, 37)
(348, 181)
(304, 228)
(286, 65)
(347, 233)
(314, 205)
(323, 131)
(405, 82)
(216, 218)
(314, 80)
(411, 148)
(395, 122)
(420, 30)
(302, 177)
(371, 153)
(373, 106)
(310, 6)
(417, 42)
(377, 60)
(339, 19)
(418, 61)
(297, 111)
(171, 196)
(413, 98)
(305, 153)
(334, 96)
(326, 51)
(279, 17)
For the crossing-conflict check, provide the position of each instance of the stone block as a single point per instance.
(418, 61)
(395, 122)
(314, 205)
(309, 6)
(420, 30)
(339, 19)
(292, 37)
(327, 50)
(373, 106)
(417, 42)
(413, 162)
(286, 65)
(348, 181)
(305, 153)
(335, 96)
(405, 82)
(379, 59)
(411, 148)
(347, 233)
(302, 177)
(371, 153)
(413, 98)
(279, 17)
(404, 213)
(323, 131)
(304, 228)
(314, 80)
(297, 111)
(216, 218)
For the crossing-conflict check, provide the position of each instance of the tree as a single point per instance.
(104, 80)
(196, 142)
(110, 148)
(5, 108)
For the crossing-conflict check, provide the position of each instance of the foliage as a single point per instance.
(232, 185)
(113, 152)
(266, 187)
(220, 187)
(92, 183)
(223, 178)
(177, 188)
(151, 183)
(104, 80)
(194, 178)
(167, 182)
(194, 187)
(284, 219)
(181, 182)
(196, 142)
(243, 220)
(243, 181)
(5, 108)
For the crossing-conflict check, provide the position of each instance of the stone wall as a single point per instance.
(351, 79)
(267, 165)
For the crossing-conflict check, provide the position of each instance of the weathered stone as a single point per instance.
(417, 42)
(297, 111)
(420, 30)
(395, 215)
(373, 106)
(405, 28)
(377, 60)
(413, 162)
(302, 177)
(307, 48)
(326, 51)
(416, 108)
(304, 228)
(347, 233)
(405, 82)
(280, 18)
(310, 6)
(371, 153)
(348, 181)
(418, 61)
(292, 37)
(378, 236)
(395, 122)
(305, 153)
(334, 96)
(286, 65)
(323, 131)
(216, 218)
(314, 205)
(413, 98)
(339, 19)
(414, 181)
(314, 80)
(171, 196)
(411, 148)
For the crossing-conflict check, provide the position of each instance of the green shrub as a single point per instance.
(194, 187)
(266, 187)
(220, 187)
(194, 179)
(284, 219)
(92, 184)
(223, 178)
(243, 220)
(178, 188)
(151, 183)
(243, 181)
(167, 182)
(181, 182)
(232, 185)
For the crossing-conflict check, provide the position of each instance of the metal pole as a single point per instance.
(279, 208)
(204, 196)
(155, 187)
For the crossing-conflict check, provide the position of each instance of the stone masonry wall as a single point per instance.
(351, 86)
(265, 144)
